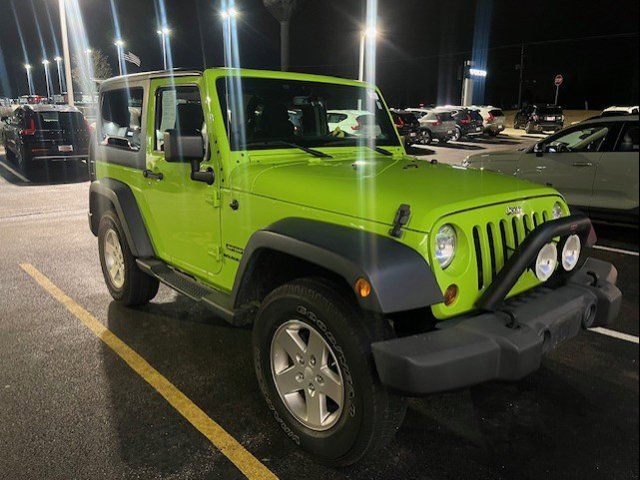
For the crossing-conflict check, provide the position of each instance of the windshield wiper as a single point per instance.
(375, 148)
(310, 151)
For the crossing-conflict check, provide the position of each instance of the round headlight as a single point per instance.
(571, 253)
(558, 211)
(546, 262)
(446, 241)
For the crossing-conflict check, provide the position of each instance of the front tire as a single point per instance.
(299, 323)
(127, 284)
(426, 137)
(457, 134)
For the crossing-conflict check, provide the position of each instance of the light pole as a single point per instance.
(46, 62)
(164, 33)
(366, 33)
(28, 68)
(58, 60)
(65, 51)
(120, 47)
(227, 17)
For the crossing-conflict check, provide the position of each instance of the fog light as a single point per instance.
(451, 294)
(571, 253)
(363, 288)
(546, 262)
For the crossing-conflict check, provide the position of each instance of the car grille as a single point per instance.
(494, 242)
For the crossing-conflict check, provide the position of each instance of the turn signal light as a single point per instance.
(363, 288)
(451, 294)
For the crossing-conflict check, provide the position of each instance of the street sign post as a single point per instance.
(557, 82)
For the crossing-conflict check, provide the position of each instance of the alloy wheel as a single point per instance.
(307, 376)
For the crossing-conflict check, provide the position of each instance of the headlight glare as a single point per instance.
(546, 262)
(558, 211)
(571, 252)
(446, 243)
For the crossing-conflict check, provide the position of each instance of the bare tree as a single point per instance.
(99, 62)
(283, 10)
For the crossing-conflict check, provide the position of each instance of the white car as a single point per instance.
(359, 123)
(493, 119)
(593, 164)
(617, 110)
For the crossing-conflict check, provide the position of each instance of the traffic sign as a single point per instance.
(558, 80)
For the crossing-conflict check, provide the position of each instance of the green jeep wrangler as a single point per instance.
(367, 275)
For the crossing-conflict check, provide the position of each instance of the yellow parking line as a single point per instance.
(249, 465)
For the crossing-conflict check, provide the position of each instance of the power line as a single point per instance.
(499, 47)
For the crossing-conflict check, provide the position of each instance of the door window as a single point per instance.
(121, 117)
(178, 108)
(628, 138)
(588, 138)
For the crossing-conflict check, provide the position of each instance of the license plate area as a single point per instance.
(65, 148)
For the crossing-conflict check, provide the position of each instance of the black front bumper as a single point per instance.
(508, 339)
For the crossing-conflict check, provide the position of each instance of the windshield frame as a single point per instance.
(220, 83)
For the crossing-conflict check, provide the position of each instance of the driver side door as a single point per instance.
(184, 215)
(567, 162)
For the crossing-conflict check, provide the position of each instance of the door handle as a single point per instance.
(152, 175)
(582, 164)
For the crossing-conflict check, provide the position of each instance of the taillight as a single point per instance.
(466, 120)
(399, 122)
(438, 120)
(31, 130)
(491, 118)
(355, 127)
(536, 118)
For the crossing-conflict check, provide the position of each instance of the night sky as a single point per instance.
(423, 46)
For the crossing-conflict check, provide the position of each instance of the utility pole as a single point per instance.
(66, 54)
(521, 68)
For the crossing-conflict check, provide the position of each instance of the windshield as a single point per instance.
(262, 112)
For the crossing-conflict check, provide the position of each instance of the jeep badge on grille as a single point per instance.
(514, 211)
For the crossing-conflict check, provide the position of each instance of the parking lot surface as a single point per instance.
(75, 403)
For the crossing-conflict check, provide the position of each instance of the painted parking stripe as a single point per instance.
(616, 250)
(13, 171)
(619, 335)
(249, 465)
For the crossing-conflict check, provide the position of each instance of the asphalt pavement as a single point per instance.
(72, 407)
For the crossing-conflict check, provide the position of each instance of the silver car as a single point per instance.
(438, 124)
(593, 164)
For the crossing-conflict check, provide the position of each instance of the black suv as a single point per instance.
(539, 118)
(37, 134)
(469, 123)
(408, 127)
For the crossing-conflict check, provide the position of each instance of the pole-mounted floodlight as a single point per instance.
(46, 63)
(230, 13)
(370, 32)
(58, 61)
(28, 68)
(164, 33)
(119, 43)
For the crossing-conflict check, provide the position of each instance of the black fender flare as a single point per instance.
(108, 191)
(400, 277)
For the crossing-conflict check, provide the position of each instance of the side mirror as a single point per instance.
(182, 148)
(187, 149)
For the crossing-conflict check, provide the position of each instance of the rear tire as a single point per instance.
(357, 422)
(127, 284)
(426, 137)
(529, 129)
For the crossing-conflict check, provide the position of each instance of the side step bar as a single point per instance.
(219, 302)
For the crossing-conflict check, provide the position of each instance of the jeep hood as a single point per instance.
(373, 188)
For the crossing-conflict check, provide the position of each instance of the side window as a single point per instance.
(582, 139)
(178, 108)
(628, 138)
(121, 118)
